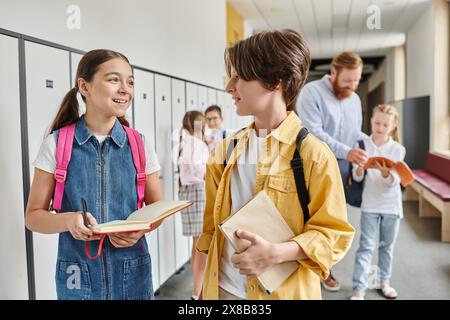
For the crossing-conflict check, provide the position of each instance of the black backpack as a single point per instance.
(354, 189)
(297, 167)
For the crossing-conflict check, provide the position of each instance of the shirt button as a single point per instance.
(214, 274)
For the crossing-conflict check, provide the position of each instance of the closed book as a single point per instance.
(260, 216)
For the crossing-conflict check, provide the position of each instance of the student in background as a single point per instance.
(381, 203)
(192, 164)
(101, 170)
(214, 133)
(266, 73)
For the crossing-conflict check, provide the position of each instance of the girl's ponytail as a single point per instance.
(68, 111)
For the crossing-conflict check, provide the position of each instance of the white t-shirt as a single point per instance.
(46, 158)
(243, 179)
(382, 195)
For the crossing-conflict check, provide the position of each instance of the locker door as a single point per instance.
(163, 119)
(178, 110)
(74, 61)
(192, 96)
(202, 98)
(221, 104)
(212, 97)
(144, 110)
(221, 98)
(13, 269)
(229, 113)
(48, 80)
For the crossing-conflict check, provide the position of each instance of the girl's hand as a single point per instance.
(126, 239)
(257, 258)
(76, 227)
(359, 171)
(385, 171)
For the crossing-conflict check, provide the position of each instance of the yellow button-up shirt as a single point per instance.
(325, 238)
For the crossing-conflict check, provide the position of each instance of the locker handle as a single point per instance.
(163, 98)
(161, 177)
(178, 100)
(49, 83)
(144, 96)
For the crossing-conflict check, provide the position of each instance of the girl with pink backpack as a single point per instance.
(97, 158)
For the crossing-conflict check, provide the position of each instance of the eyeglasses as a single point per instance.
(212, 118)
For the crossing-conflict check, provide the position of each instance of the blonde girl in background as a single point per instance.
(381, 203)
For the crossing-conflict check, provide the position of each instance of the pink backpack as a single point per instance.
(64, 154)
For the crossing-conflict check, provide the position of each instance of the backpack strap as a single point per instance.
(138, 152)
(230, 148)
(299, 175)
(63, 156)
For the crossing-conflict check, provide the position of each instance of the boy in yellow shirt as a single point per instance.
(266, 73)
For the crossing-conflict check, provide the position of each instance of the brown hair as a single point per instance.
(69, 110)
(272, 57)
(215, 108)
(346, 60)
(189, 120)
(389, 110)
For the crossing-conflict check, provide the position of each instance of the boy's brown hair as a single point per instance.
(272, 57)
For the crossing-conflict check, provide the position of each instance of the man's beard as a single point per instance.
(340, 93)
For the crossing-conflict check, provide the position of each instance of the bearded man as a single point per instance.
(331, 110)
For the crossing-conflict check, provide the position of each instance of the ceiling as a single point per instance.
(333, 26)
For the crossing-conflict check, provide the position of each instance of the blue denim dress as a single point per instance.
(105, 176)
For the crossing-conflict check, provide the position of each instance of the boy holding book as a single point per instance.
(266, 73)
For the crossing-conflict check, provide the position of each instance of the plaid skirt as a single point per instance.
(192, 217)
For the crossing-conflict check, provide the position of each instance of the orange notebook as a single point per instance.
(404, 172)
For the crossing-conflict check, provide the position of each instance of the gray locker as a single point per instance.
(144, 110)
(13, 268)
(202, 98)
(182, 253)
(212, 97)
(221, 98)
(48, 80)
(192, 97)
(166, 234)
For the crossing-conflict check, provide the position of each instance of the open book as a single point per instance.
(404, 172)
(141, 219)
(260, 216)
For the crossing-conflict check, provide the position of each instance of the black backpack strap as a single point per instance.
(361, 146)
(299, 175)
(230, 148)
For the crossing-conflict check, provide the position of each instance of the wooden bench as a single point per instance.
(432, 189)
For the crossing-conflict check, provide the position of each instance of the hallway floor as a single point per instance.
(421, 267)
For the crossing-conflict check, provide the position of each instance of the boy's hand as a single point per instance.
(257, 258)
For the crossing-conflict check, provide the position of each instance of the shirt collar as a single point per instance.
(388, 143)
(327, 81)
(284, 132)
(83, 134)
